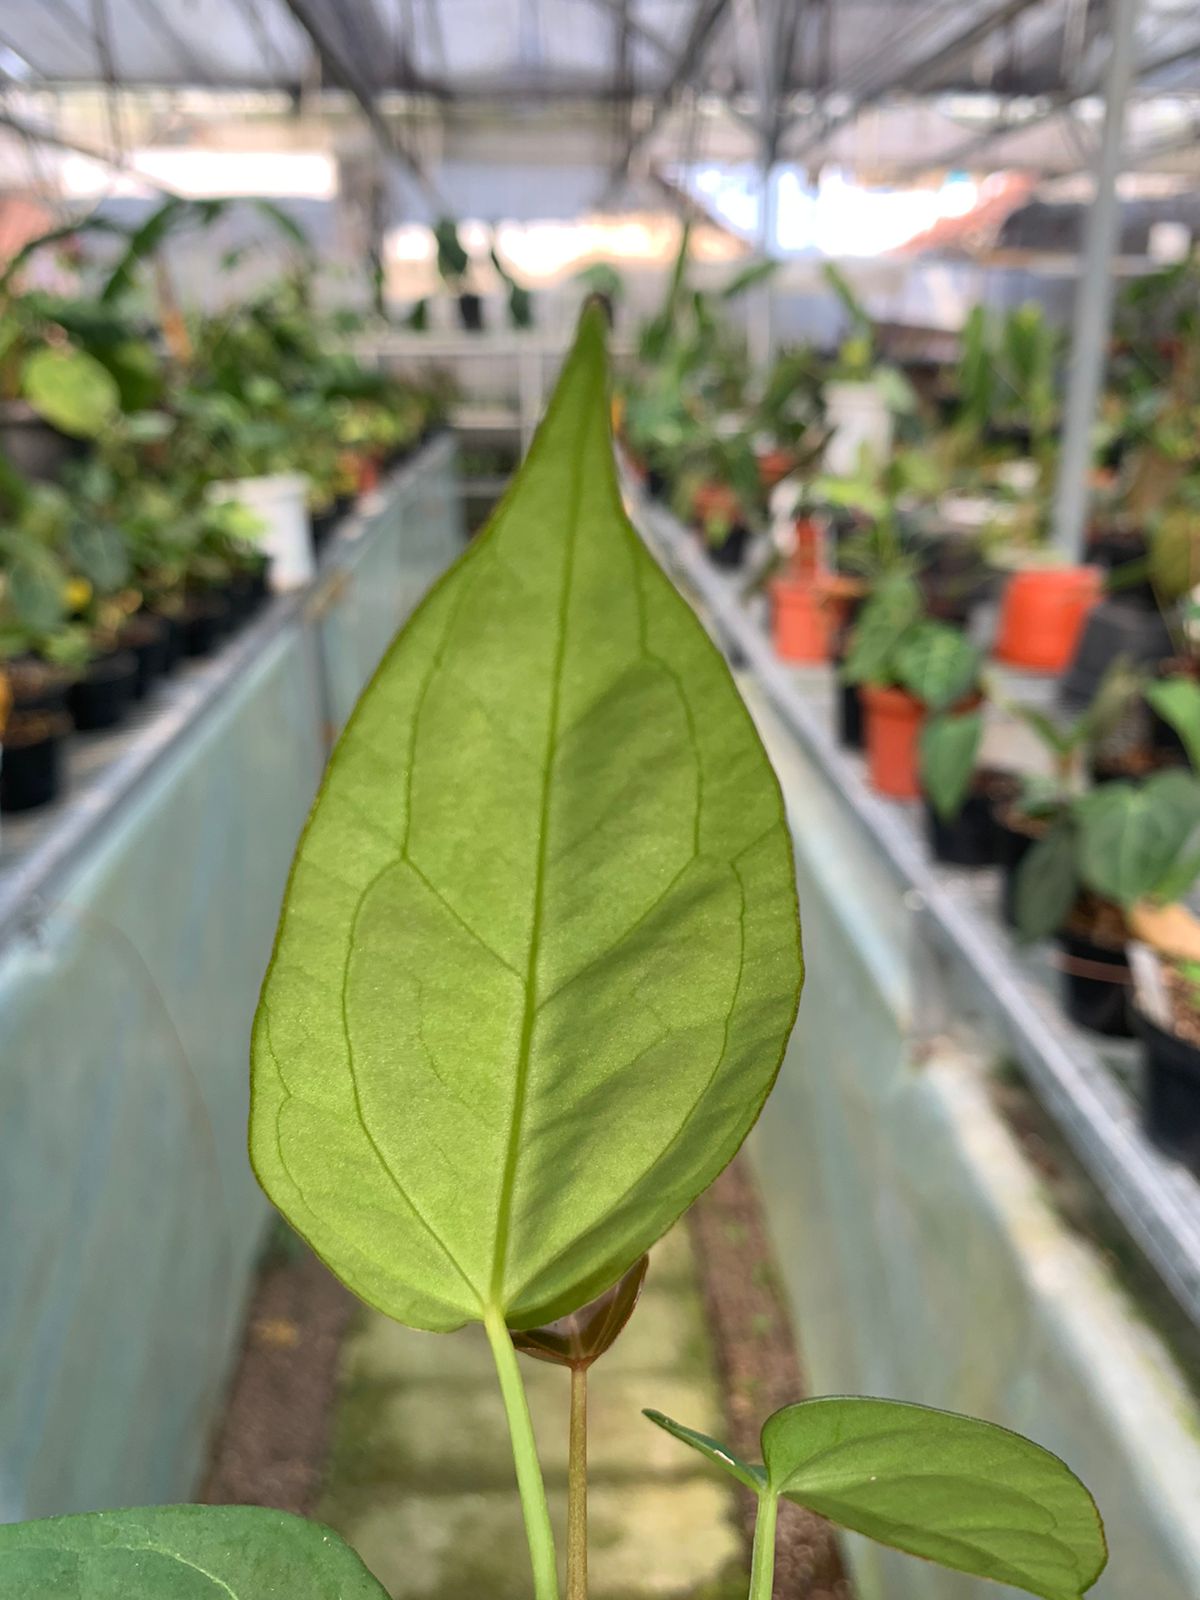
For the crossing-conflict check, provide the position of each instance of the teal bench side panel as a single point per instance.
(130, 1222)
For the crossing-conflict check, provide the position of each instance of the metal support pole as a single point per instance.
(761, 328)
(1094, 297)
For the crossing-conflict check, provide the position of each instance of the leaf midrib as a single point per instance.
(531, 1005)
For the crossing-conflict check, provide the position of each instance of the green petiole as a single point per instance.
(530, 1484)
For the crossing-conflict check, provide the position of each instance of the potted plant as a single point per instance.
(908, 667)
(520, 301)
(1107, 850)
(961, 797)
(717, 487)
(1009, 386)
(861, 395)
(1165, 962)
(35, 671)
(1068, 745)
(452, 264)
(870, 557)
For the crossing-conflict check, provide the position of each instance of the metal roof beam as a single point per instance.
(1058, 105)
(57, 141)
(913, 74)
(345, 73)
(705, 18)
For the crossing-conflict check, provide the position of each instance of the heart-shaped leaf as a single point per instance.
(936, 663)
(963, 1493)
(891, 611)
(949, 748)
(70, 390)
(1048, 881)
(180, 1553)
(1132, 835)
(752, 1477)
(539, 954)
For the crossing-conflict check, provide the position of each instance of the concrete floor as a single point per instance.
(421, 1476)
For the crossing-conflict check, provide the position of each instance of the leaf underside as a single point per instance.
(180, 1553)
(964, 1493)
(539, 955)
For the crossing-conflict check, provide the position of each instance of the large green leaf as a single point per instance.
(949, 749)
(1132, 835)
(963, 1493)
(180, 1553)
(539, 956)
(70, 390)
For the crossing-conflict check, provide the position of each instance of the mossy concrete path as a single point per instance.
(421, 1478)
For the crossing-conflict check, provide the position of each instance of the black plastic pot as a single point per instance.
(1096, 985)
(1011, 846)
(323, 524)
(258, 585)
(147, 638)
(32, 445)
(31, 772)
(37, 687)
(1122, 553)
(172, 641)
(1171, 1090)
(204, 623)
(1113, 628)
(852, 734)
(656, 483)
(470, 312)
(731, 551)
(103, 695)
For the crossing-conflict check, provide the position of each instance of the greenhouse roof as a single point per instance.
(501, 49)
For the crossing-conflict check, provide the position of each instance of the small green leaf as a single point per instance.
(35, 584)
(1131, 835)
(949, 748)
(937, 663)
(1056, 739)
(1177, 702)
(964, 1493)
(749, 277)
(887, 616)
(1048, 882)
(71, 391)
(752, 1477)
(539, 954)
(100, 555)
(180, 1553)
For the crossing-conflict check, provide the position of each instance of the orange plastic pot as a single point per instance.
(715, 501)
(894, 720)
(774, 465)
(1042, 616)
(799, 620)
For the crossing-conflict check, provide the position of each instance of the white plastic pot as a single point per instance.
(859, 416)
(280, 502)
